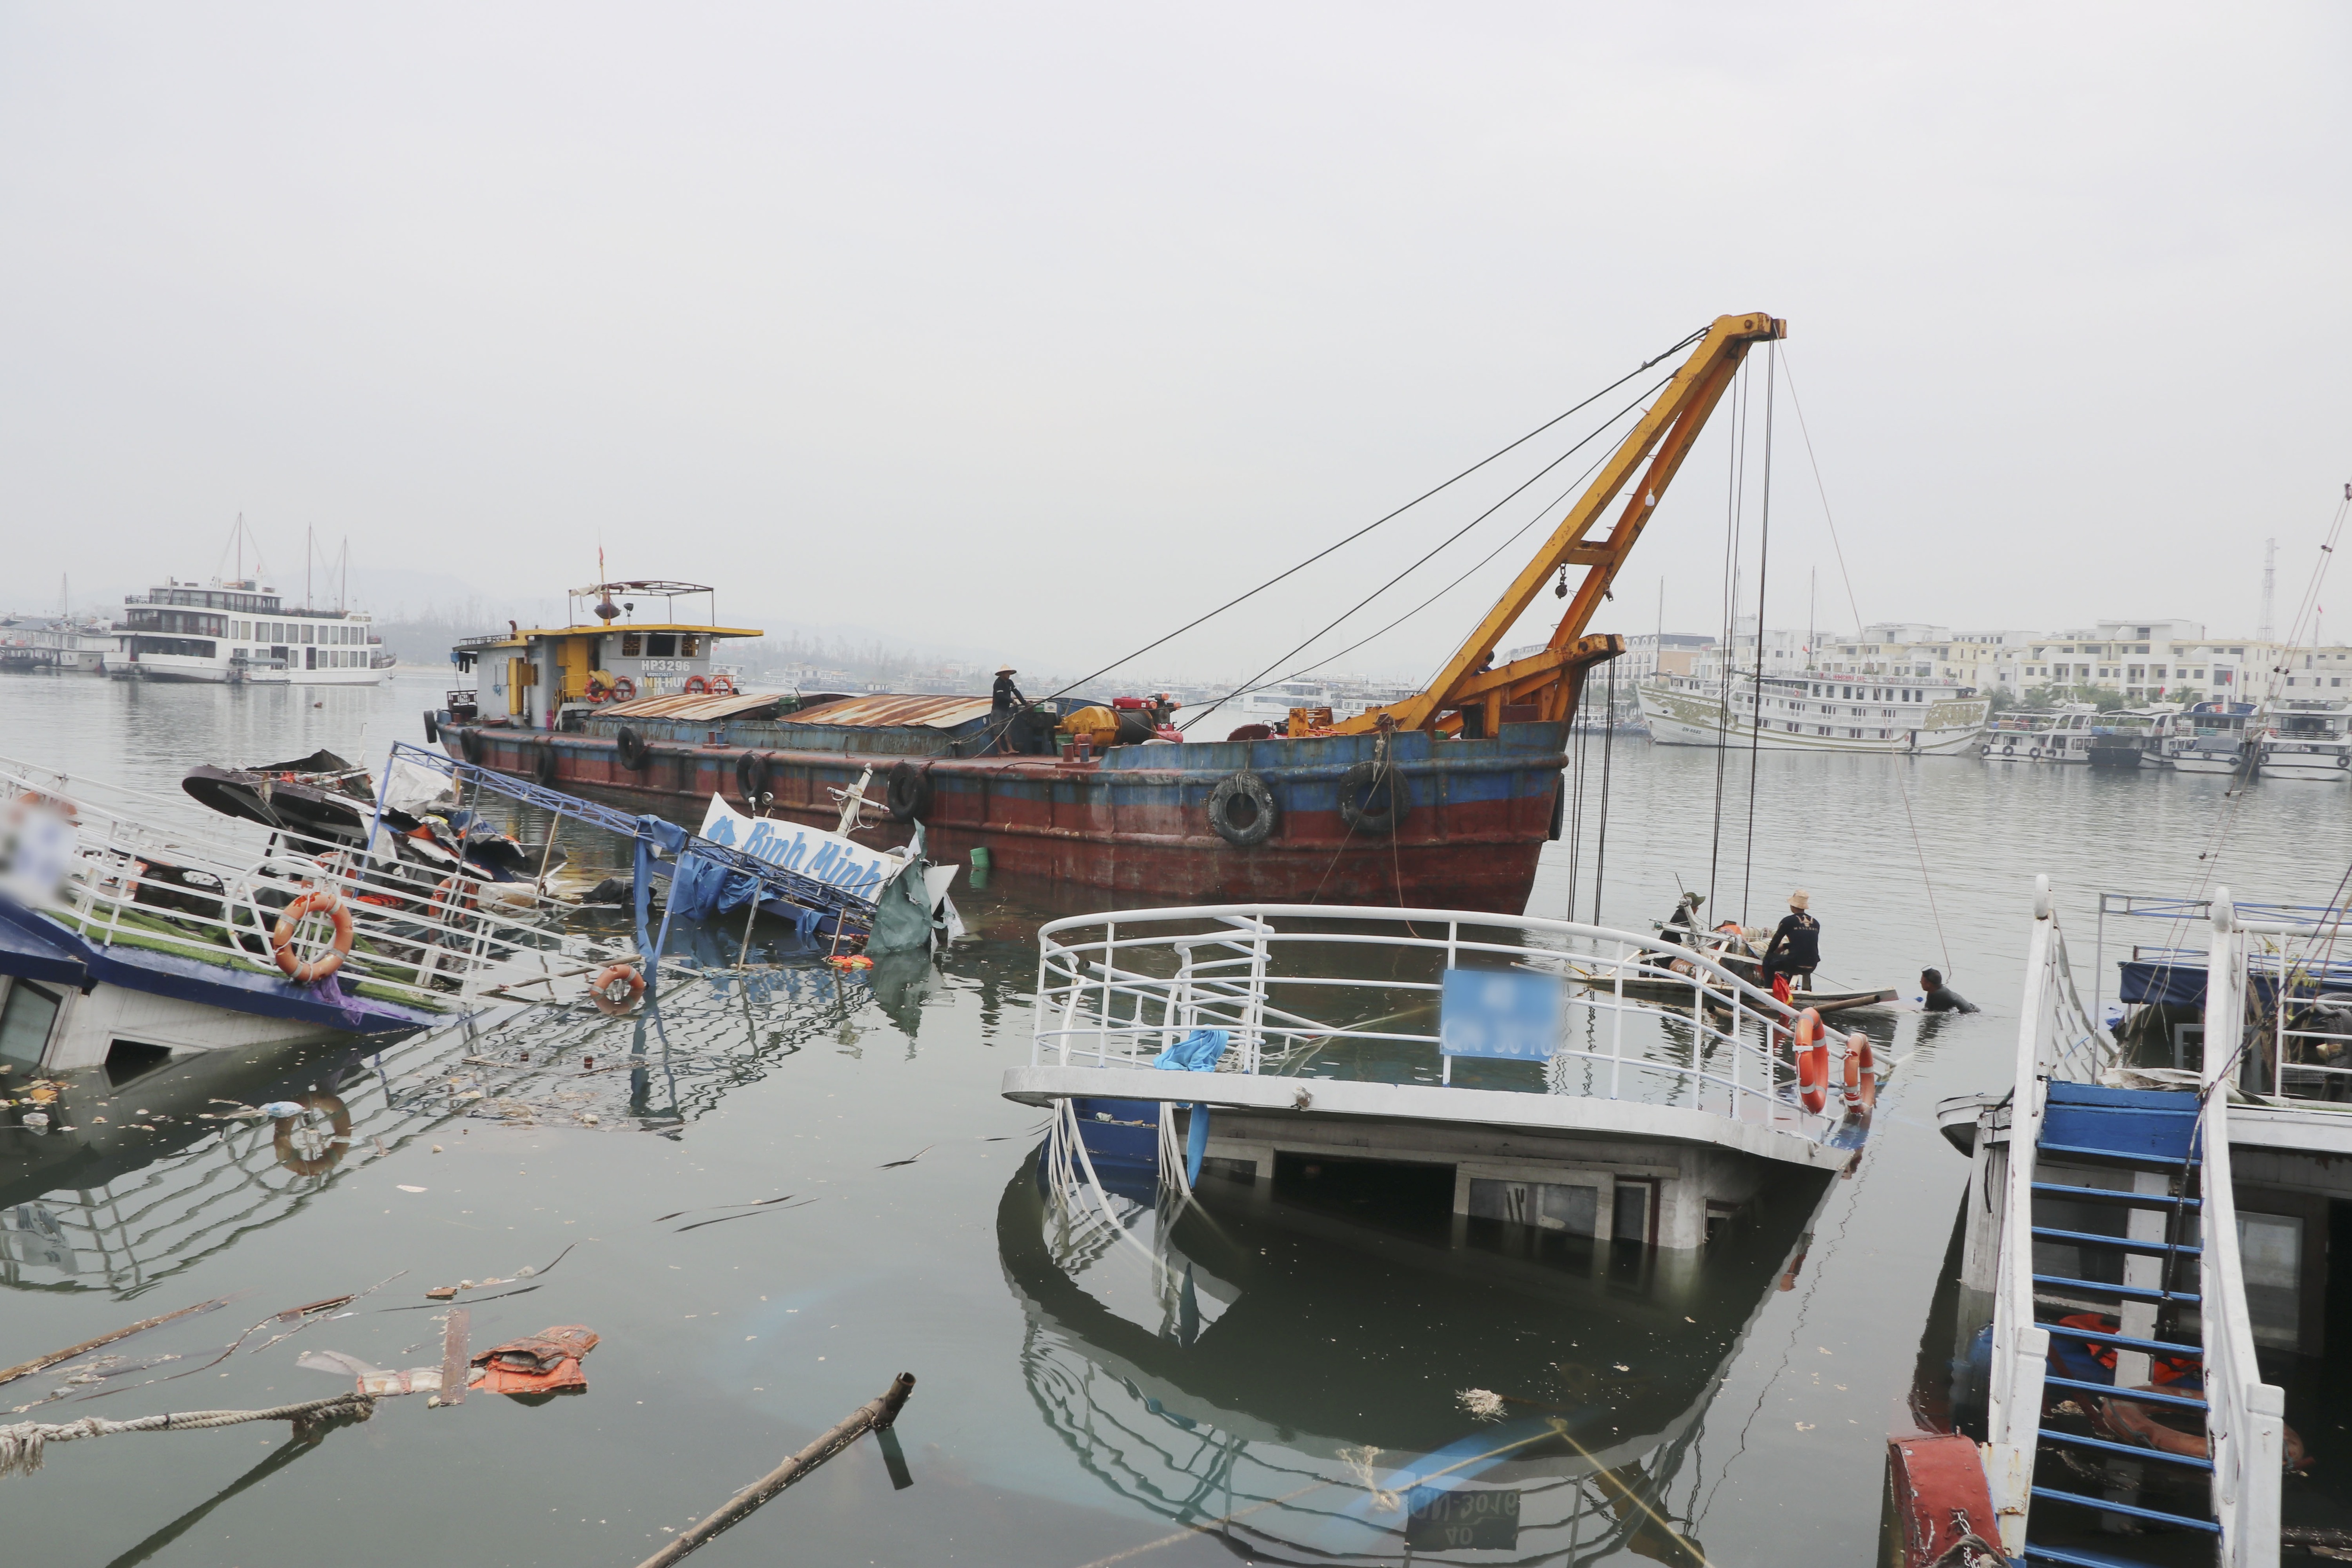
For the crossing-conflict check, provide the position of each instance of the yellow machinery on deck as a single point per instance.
(1550, 681)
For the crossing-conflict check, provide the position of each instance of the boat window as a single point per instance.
(689, 646)
(662, 645)
(24, 1021)
(633, 645)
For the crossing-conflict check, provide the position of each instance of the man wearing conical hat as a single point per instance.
(1795, 948)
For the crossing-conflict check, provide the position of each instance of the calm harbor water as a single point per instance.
(1737, 1401)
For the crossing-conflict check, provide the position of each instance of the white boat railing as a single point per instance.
(1119, 989)
(421, 936)
(2245, 1417)
(2056, 1037)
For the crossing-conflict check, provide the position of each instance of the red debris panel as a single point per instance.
(1941, 1503)
(545, 1362)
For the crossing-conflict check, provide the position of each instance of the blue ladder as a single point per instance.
(2127, 1131)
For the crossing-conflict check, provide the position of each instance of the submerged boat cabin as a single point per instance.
(554, 677)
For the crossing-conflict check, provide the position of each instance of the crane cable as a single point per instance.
(1756, 681)
(1853, 605)
(1539, 515)
(1442, 544)
(1391, 517)
(1735, 495)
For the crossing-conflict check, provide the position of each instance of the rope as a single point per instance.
(1608, 743)
(1539, 514)
(1903, 789)
(1367, 528)
(1441, 545)
(1756, 681)
(21, 1444)
(1734, 502)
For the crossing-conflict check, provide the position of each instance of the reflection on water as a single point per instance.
(1099, 1406)
(140, 1181)
(1310, 1388)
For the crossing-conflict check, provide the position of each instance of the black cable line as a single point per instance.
(1367, 528)
(1763, 565)
(1473, 570)
(1734, 470)
(1608, 741)
(1442, 545)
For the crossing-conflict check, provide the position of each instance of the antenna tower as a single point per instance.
(2270, 589)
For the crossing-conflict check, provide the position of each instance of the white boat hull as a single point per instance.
(2320, 769)
(1681, 718)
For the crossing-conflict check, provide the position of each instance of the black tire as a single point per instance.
(910, 790)
(432, 729)
(2009, 748)
(751, 777)
(1361, 786)
(543, 770)
(470, 745)
(1241, 810)
(633, 749)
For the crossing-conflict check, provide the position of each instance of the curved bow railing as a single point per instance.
(1356, 992)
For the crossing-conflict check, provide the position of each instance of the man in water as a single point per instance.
(1684, 919)
(1795, 948)
(1940, 997)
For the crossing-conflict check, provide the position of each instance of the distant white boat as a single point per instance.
(239, 632)
(2307, 741)
(1817, 712)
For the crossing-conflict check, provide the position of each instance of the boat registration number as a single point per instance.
(665, 666)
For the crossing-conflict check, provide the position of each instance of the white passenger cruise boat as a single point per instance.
(1817, 712)
(2308, 740)
(2079, 733)
(239, 632)
(2212, 738)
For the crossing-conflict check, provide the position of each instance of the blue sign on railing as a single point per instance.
(1498, 1012)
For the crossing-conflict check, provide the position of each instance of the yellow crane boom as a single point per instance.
(1552, 679)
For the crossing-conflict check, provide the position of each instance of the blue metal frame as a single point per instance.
(645, 832)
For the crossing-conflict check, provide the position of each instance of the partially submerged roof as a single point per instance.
(696, 705)
(881, 710)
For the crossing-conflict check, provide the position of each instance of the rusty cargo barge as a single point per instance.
(1443, 799)
(1468, 820)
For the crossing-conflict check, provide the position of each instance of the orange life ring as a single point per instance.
(456, 893)
(616, 977)
(312, 901)
(722, 686)
(695, 683)
(1861, 1079)
(1812, 1062)
(281, 1141)
(624, 689)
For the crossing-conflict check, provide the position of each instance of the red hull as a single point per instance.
(1472, 839)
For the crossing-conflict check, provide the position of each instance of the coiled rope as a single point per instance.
(22, 1445)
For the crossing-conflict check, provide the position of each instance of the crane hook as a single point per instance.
(1559, 589)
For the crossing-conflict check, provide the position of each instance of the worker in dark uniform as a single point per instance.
(1795, 948)
(1006, 705)
(1938, 998)
(1683, 923)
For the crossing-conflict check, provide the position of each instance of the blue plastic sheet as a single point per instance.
(1199, 1051)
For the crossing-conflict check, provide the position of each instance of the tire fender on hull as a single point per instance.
(908, 792)
(1241, 810)
(1373, 798)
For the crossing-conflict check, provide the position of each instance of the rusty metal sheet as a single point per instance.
(692, 705)
(883, 708)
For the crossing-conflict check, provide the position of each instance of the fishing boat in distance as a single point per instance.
(1446, 796)
(2212, 738)
(1816, 712)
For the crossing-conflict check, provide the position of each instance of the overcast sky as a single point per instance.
(1037, 329)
